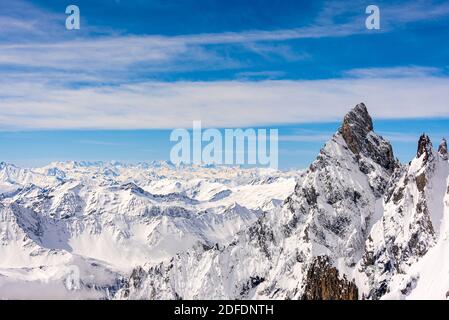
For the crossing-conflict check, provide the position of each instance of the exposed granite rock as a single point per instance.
(323, 282)
(424, 147)
(421, 181)
(356, 131)
(356, 126)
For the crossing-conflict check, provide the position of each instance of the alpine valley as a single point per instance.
(357, 224)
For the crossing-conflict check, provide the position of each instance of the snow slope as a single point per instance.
(114, 217)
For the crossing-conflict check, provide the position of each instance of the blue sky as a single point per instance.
(136, 69)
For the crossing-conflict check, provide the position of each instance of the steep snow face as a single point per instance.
(414, 220)
(108, 218)
(328, 215)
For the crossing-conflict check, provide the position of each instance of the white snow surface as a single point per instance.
(109, 218)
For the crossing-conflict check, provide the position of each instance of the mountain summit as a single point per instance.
(424, 147)
(357, 131)
(357, 124)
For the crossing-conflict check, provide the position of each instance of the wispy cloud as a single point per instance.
(395, 72)
(218, 104)
(39, 43)
(154, 53)
(20, 18)
(43, 70)
(414, 11)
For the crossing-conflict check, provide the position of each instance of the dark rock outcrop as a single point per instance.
(135, 281)
(356, 131)
(424, 147)
(323, 282)
(356, 126)
(424, 150)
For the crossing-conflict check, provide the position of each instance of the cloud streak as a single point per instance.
(395, 72)
(30, 105)
(43, 46)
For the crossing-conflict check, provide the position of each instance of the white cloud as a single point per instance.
(41, 44)
(37, 96)
(118, 53)
(394, 72)
(31, 105)
(414, 11)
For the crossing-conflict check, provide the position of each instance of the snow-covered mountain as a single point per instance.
(321, 228)
(356, 224)
(406, 253)
(334, 237)
(105, 219)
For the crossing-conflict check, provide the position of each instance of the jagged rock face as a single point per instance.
(356, 126)
(356, 131)
(323, 282)
(424, 147)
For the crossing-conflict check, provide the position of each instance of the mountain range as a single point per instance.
(356, 224)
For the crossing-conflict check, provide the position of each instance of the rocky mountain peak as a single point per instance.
(424, 147)
(359, 117)
(357, 131)
(356, 125)
(442, 149)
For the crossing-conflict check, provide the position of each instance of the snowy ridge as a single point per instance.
(109, 218)
(415, 219)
